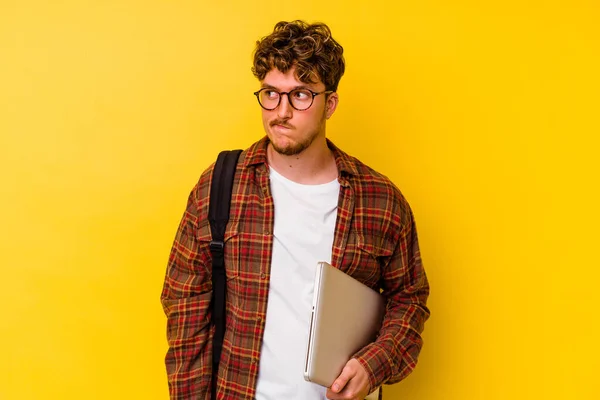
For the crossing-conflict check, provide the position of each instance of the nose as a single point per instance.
(284, 111)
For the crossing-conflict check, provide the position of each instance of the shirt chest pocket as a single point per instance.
(231, 249)
(371, 255)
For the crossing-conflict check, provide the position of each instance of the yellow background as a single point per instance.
(485, 114)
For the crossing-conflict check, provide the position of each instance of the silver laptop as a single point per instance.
(346, 316)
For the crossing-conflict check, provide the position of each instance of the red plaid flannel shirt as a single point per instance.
(375, 242)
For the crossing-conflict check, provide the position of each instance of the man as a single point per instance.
(297, 199)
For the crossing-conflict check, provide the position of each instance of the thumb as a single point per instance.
(342, 380)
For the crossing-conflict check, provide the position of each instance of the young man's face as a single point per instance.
(289, 130)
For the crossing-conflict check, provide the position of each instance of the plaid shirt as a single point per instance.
(375, 242)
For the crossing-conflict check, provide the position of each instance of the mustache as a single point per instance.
(282, 123)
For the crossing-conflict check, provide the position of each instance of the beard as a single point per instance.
(295, 148)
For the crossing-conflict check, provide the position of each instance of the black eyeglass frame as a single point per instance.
(314, 94)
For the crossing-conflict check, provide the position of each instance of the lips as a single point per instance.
(280, 125)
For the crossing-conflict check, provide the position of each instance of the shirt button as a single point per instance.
(263, 275)
(267, 233)
(253, 361)
(259, 319)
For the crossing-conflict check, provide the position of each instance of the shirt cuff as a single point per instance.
(378, 364)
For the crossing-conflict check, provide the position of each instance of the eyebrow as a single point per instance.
(267, 86)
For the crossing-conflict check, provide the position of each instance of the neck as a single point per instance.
(314, 166)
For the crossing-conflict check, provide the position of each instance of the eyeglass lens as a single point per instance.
(300, 99)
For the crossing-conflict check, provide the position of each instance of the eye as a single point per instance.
(271, 94)
(301, 94)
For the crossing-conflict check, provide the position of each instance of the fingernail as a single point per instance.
(336, 387)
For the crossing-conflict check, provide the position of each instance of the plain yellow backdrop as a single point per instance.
(485, 114)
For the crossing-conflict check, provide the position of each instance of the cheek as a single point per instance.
(265, 117)
(313, 119)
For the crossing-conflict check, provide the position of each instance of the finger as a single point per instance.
(331, 394)
(349, 391)
(347, 374)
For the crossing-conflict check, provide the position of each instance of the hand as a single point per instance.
(352, 384)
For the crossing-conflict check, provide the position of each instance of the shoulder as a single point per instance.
(376, 194)
(200, 194)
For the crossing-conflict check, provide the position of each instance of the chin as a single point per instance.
(286, 145)
(290, 149)
(280, 141)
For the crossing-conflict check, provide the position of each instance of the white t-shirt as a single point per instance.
(305, 218)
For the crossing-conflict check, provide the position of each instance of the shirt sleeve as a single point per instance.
(394, 354)
(186, 299)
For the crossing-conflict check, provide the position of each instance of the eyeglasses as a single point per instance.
(299, 99)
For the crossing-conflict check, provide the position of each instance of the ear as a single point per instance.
(331, 104)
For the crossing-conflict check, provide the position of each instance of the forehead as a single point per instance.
(287, 80)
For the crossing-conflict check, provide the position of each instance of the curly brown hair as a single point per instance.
(308, 47)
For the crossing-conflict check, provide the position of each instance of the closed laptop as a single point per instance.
(346, 316)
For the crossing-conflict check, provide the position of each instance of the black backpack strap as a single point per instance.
(218, 215)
